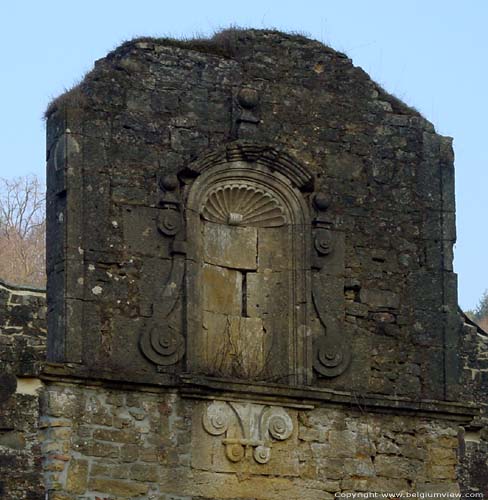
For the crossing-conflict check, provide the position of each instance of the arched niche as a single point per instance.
(248, 271)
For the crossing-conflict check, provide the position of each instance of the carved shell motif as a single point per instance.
(243, 205)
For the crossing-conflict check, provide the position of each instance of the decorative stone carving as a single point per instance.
(323, 242)
(247, 426)
(331, 351)
(248, 117)
(263, 155)
(169, 222)
(331, 355)
(330, 359)
(243, 204)
(248, 98)
(163, 344)
(322, 226)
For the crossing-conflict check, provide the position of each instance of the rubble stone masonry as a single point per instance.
(250, 288)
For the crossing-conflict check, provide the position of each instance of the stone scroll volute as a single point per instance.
(247, 429)
(331, 347)
(163, 343)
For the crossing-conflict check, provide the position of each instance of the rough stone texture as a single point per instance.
(384, 233)
(22, 353)
(254, 197)
(118, 444)
(474, 438)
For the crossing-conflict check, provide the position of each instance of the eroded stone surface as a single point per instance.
(352, 273)
(377, 235)
(235, 346)
(22, 355)
(222, 291)
(149, 444)
(230, 246)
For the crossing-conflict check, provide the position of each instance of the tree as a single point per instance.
(22, 231)
(480, 314)
(481, 311)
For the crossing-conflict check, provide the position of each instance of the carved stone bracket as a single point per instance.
(169, 221)
(322, 235)
(164, 345)
(331, 351)
(247, 426)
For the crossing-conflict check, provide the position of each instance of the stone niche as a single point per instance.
(240, 235)
(247, 275)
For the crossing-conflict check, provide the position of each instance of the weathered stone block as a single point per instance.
(442, 456)
(359, 467)
(116, 436)
(77, 478)
(101, 469)
(230, 246)
(266, 294)
(437, 472)
(235, 344)
(273, 249)
(61, 404)
(397, 467)
(97, 449)
(222, 290)
(379, 299)
(126, 489)
(129, 453)
(144, 473)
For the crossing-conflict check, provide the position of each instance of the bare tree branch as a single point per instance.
(22, 230)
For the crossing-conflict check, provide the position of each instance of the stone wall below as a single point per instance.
(112, 444)
(22, 354)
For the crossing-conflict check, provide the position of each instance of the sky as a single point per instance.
(432, 54)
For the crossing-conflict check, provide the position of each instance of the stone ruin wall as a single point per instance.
(22, 354)
(130, 444)
(152, 445)
(380, 392)
(473, 448)
(151, 111)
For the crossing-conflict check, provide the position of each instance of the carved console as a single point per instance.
(254, 256)
(247, 429)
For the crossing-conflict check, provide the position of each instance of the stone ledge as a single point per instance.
(15, 288)
(300, 397)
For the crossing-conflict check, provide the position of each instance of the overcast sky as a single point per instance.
(431, 54)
